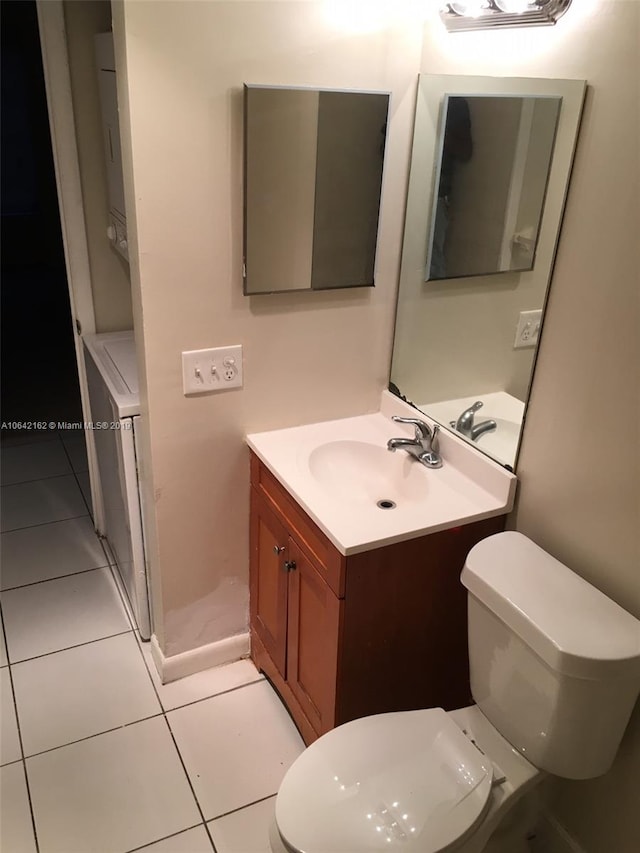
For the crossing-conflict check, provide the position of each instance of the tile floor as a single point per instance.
(97, 756)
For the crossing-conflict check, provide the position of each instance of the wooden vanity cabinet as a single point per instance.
(343, 637)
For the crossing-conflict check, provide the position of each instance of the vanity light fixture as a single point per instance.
(461, 15)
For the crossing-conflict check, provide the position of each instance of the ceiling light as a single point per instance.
(487, 14)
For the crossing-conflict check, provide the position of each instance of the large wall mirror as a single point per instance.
(465, 345)
(313, 178)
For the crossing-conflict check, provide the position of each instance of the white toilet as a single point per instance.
(555, 673)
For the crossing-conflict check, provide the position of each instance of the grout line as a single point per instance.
(248, 805)
(106, 548)
(4, 637)
(50, 580)
(213, 695)
(52, 477)
(211, 841)
(75, 474)
(31, 809)
(37, 439)
(144, 660)
(10, 763)
(67, 648)
(120, 587)
(164, 714)
(36, 479)
(86, 502)
(42, 523)
(188, 778)
(57, 578)
(22, 759)
(166, 837)
(94, 735)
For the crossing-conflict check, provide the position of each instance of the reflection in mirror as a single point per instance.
(464, 349)
(313, 177)
(493, 165)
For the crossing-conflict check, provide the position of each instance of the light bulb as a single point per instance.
(514, 6)
(469, 8)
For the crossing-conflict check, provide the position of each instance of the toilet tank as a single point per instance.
(555, 664)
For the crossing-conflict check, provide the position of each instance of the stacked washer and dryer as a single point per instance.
(112, 376)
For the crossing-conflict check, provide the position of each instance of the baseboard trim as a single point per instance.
(552, 837)
(204, 657)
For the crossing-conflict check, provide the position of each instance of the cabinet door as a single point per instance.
(312, 645)
(268, 580)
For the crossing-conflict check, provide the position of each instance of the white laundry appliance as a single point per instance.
(112, 375)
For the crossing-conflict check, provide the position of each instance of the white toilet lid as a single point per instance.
(408, 780)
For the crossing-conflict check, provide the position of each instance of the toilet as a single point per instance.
(555, 673)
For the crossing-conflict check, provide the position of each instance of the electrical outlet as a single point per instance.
(528, 329)
(207, 370)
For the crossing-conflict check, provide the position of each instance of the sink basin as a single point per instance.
(363, 496)
(374, 475)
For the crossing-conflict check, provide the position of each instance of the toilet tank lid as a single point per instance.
(571, 625)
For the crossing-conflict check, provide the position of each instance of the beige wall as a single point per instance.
(579, 467)
(109, 272)
(308, 356)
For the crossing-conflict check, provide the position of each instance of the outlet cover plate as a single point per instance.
(208, 370)
(528, 329)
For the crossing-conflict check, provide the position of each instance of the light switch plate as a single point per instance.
(207, 370)
(528, 329)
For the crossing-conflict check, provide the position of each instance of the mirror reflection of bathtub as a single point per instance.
(505, 410)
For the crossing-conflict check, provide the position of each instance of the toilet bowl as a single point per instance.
(549, 656)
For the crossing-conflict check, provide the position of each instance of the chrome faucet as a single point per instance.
(466, 426)
(425, 444)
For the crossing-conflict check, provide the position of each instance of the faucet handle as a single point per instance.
(423, 430)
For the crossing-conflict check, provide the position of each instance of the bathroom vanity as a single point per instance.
(347, 627)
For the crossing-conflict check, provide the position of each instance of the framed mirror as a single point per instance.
(313, 178)
(464, 341)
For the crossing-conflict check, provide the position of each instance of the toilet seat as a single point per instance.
(408, 780)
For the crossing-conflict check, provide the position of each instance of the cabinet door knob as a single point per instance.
(290, 565)
(278, 549)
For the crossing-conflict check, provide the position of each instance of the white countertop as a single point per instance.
(338, 470)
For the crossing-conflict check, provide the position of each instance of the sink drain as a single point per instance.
(386, 504)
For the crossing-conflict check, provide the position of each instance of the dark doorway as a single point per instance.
(39, 370)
